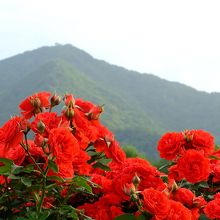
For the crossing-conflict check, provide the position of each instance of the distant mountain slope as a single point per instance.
(139, 107)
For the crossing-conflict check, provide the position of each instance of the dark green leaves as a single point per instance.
(53, 166)
(125, 217)
(26, 181)
(6, 168)
(82, 183)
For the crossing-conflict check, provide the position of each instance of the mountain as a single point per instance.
(138, 107)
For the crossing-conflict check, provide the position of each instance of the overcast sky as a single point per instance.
(176, 40)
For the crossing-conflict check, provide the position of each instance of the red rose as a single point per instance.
(50, 121)
(173, 173)
(193, 166)
(178, 211)
(84, 106)
(170, 145)
(115, 152)
(10, 133)
(199, 201)
(200, 140)
(195, 213)
(80, 164)
(17, 153)
(184, 196)
(64, 147)
(156, 203)
(85, 131)
(124, 173)
(34, 104)
(69, 100)
(215, 166)
(212, 209)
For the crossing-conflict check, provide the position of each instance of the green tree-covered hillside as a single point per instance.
(138, 107)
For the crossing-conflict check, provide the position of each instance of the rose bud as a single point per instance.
(136, 180)
(95, 112)
(69, 113)
(55, 100)
(69, 100)
(41, 126)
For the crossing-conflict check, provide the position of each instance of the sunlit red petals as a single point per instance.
(84, 106)
(194, 166)
(11, 133)
(63, 144)
(202, 141)
(80, 165)
(65, 148)
(212, 209)
(50, 121)
(178, 211)
(156, 203)
(34, 104)
(15, 153)
(85, 131)
(184, 196)
(69, 100)
(115, 152)
(170, 145)
(124, 173)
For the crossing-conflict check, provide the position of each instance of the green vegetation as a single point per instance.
(138, 107)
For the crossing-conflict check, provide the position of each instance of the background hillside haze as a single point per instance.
(139, 108)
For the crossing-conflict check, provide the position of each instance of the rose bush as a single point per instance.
(68, 165)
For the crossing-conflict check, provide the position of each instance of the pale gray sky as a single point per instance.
(176, 40)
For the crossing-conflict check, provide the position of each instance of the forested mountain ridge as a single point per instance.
(138, 107)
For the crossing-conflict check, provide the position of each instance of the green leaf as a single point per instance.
(204, 185)
(203, 217)
(81, 182)
(53, 166)
(125, 217)
(26, 181)
(101, 166)
(214, 157)
(142, 217)
(6, 168)
(55, 178)
(21, 218)
(17, 169)
(50, 186)
(44, 215)
(13, 177)
(29, 168)
(105, 161)
(68, 211)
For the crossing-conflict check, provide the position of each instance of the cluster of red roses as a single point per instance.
(75, 143)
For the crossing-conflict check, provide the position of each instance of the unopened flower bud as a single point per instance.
(174, 187)
(188, 136)
(132, 190)
(69, 100)
(136, 180)
(95, 112)
(41, 126)
(39, 140)
(36, 102)
(55, 100)
(24, 126)
(134, 197)
(69, 113)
